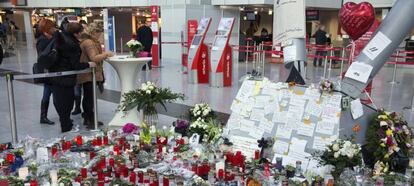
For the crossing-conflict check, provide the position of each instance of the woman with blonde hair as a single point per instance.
(91, 52)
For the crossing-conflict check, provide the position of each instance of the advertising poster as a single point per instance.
(289, 20)
(111, 36)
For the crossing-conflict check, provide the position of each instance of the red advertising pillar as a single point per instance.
(155, 50)
(227, 67)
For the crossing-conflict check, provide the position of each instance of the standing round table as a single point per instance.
(127, 68)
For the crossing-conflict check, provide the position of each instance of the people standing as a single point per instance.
(91, 51)
(320, 39)
(68, 48)
(144, 35)
(46, 28)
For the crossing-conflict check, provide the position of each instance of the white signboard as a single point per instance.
(289, 20)
(359, 71)
(225, 24)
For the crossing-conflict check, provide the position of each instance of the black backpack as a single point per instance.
(49, 56)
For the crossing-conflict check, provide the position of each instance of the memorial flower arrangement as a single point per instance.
(209, 131)
(201, 112)
(146, 98)
(389, 143)
(341, 154)
(326, 86)
(134, 47)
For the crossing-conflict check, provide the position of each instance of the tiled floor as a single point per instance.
(27, 95)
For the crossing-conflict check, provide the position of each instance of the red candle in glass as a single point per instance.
(221, 173)
(176, 149)
(94, 142)
(101, 176)
(99, 140)
(117, 174)
(84, 172)
(121, 141)
(78, 179)
(79, 140)
(111, 162)
(116, 149)
(140, 177)
(54, 150)
(10, 157)
(103, 162)
(105, 140)
(33, 183)
(127, 146)
(160, 149)
(125, 171)
(101, 183)
(92, 155)
(133, 178)
(256, 154)
(165, 181)
(63, 144)
(194, 168)
(68, 145)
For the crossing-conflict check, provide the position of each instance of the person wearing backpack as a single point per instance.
(46, 28)
(69, 52)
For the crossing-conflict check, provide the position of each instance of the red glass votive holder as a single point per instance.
(84, 172)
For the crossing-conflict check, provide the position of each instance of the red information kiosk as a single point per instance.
(198, 62)
(221, 55)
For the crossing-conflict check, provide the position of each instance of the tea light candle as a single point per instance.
(54, 177)
(23, 172)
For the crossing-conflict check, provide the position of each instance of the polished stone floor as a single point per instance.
(28, 95)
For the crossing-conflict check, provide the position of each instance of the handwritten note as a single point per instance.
(256, 133)
(297, 145)
(356, 109)
(261, 101)
(246, 145)
(266, 125)
(271, 107)
(313, 108)
(305, 129)
(280, 117)
(281, 147)
(284, 131)
(257, 114)
(325, 127)
(359, 71)
(320, 143)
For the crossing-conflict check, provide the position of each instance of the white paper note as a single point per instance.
(320, 143)
(42, 155)
(256, 133)
(280, 117)
(271, 107)
(359, 71)
(313, 108)
(325, 127)
(297, 145)
(376, 45)
(284, 131)
(246, 125)
(257, 114)
(266, 125)
(281, 147)
(356, 109)
(261, 101)
(305, 129)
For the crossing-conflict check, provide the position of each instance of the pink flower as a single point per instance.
(130, 128)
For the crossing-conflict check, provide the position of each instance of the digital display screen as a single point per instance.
(251, 16)
(220, 41)
(197, 40)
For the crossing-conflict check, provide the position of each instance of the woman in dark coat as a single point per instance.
(69, 51)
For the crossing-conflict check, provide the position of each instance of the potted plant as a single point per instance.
(134, 47)
(146, 98)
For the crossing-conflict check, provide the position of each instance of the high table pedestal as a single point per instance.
(127, 69)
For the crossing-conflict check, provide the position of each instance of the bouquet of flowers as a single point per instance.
(201, 112)
(341, 154)
(134, 47)
(326, 86)
(146, 98)
(209, 131)
(389, 142)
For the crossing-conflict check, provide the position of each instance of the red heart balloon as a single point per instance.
(356, 19)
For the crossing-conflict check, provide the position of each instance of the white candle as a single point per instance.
(23, 172)
(411, 163)
(53, 177)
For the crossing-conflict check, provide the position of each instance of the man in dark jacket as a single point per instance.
(144, 35)
(320, 39)
(68, 48)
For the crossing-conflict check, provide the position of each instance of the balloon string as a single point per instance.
(351, 55)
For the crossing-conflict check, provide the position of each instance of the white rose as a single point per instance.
(336, 154)
(350, 155)
(383, 123)
(198, 112)
(205, 113)
(335, 147)
(148, 91)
